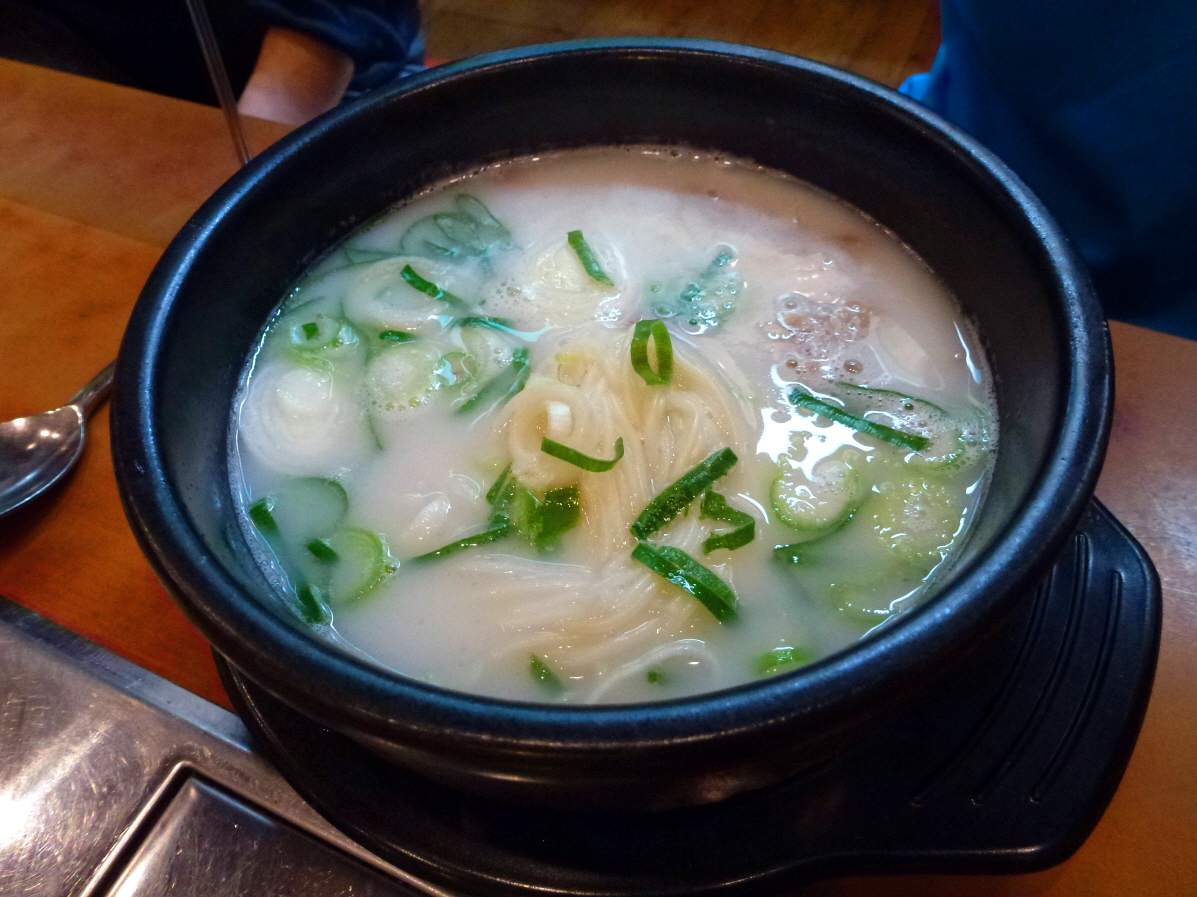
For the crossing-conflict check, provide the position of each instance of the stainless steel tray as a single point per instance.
(114, 781)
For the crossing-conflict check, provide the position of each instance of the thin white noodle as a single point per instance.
(641, 665)
(602, 617)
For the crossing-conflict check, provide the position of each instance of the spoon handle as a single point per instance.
(95, 391)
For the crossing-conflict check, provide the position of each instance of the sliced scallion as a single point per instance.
(261, 512)
(428, 288)
(492, 533)
(498, 486)
(544, 674)
(321, 550)
(780, 659)
(715, 507)
(312, 605)
(558, 513)
(503, 385)
(655, 329)
(499, 324)
(689, 575)
(792, 554)
(912, 441)
(359, 256)
(577, 459)
(311, 330)
(586, 257)
(678, 495)
(397, 336)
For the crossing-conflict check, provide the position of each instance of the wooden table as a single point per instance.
(95, 180)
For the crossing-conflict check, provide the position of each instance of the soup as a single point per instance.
(612, 425)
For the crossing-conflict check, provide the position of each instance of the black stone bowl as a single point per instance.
(955, 204)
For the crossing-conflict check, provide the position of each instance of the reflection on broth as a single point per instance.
(612, 425)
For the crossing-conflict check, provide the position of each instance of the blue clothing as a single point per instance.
(150, 44)
(382, 37)
(1094, 104)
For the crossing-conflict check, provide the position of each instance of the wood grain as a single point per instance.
(886, 40)
(129, 162)
(68, 290)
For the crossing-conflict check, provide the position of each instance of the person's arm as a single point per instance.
(297, 77)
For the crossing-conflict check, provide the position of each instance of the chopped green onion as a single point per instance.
(261, 512)
(322, 550)
(543, 674)
(499, 485)
(586, 257)
(779, 659)
(488, 227)
(462, 230)
(513, 503)
(912, 441)
(358, 256)
(677, 496)
(688, 574)
(503, 385)
(559, 512)
(312, 604)
(577, 459)
(397, 336)
(486, 321)
(311, 330)
(491, 534)
(656, 677)
(470, 231)
(515, 510)
(791, 554)
(428, 288)
(715, 507)
(656, 329)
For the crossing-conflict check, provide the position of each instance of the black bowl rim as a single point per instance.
(289, 661)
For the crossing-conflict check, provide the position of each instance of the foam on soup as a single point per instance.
(612, 425)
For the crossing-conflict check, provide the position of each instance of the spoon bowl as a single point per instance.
(37, 451)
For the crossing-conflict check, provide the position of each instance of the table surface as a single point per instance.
(95, 179)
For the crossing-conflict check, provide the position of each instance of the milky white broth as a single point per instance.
(765, 284)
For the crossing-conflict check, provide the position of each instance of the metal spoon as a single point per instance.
(36, 451)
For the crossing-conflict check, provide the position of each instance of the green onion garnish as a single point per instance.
(586, 257)
(715, 507)
(428, 288)
(397, 336)
(656, 677)
(492, 533)
(543, 674)
(677, 496)
(912, 441)
(779, 659)
(577, 459)
(656, 329)
(686, 573)
(498, 486)
(558, 513)
(323, 551)
(503, 385)
(515, 510)
(311, 330)
(358, 256)
(261, 512)
(513, 503)
(791, 554)
(486, 321)
(312, 604)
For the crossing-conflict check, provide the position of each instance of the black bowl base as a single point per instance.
(1005, 765)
